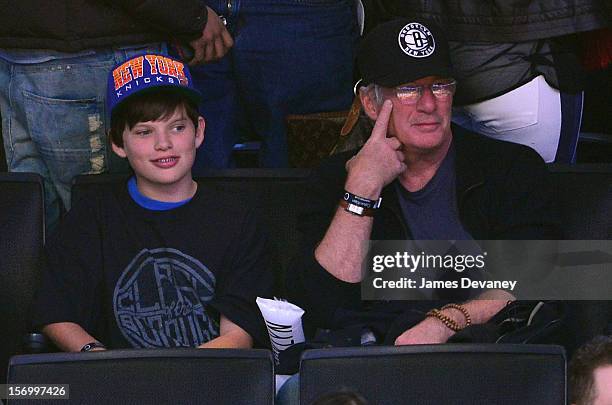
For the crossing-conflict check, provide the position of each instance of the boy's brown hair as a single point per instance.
(149, 106)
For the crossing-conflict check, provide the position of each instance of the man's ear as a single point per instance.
(199, 132)
(370, 106)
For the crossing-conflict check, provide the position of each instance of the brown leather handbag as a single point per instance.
(313, 137)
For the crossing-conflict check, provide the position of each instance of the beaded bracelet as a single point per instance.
(446, 320)
(463, 310)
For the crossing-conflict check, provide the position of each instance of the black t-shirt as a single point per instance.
(133, 277)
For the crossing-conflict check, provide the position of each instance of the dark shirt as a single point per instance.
(133, 277)
(502, 192)
(431, 212)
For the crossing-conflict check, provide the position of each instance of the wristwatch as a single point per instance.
(92, 345)
(360, 206)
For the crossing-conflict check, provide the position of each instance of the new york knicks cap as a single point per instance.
(402, 51)
(145, 73)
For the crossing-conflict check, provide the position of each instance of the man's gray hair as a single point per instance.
(374, 91)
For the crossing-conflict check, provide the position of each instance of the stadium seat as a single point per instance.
(438, 374)
(21, 242)
(584, 193)
(170, 376)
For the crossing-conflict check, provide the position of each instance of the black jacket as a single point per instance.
(499, 20)
(74, 25)
(503, 193)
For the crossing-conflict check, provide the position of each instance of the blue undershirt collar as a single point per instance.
(148, 203)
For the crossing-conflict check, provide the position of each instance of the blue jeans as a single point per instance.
(289, 393)
(53, 116)
(289, 57)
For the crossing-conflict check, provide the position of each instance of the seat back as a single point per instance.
(438, 374)
(171, 376)
(584, 193)
(21, 242)
(276, 193)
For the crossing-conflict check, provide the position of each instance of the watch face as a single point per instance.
(346, 196)
(90, 346)
(355, 209)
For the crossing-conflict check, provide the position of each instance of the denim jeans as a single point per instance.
(289, 393)
(289, 57)
(53, 116)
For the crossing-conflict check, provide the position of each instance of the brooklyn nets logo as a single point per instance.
(161, 299)
(416, 40)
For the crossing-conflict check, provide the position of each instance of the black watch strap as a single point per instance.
(92, 345)
(353, 199)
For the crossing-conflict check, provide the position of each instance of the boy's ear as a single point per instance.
(119, 151)
(199, 133)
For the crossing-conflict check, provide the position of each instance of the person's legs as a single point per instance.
(289, 392)
(292, 57)
(54, 118)
(571, 120)
(21, 152)
(221, 110)
(220, 104)
(529, 115)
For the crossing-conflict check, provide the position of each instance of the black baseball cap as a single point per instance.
(402, 51)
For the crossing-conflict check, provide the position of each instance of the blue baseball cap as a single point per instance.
(148, 72)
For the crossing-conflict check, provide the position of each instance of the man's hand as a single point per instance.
(214, 43)
(379, 162)
(428, 331)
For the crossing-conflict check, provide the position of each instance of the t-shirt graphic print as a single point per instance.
(161, 300)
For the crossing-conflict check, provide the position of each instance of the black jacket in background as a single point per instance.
(74, 25)
(503, 193)
(498, 20)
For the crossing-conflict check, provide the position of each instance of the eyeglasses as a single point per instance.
(441, 90)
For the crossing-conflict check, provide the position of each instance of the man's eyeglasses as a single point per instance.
(442, 90)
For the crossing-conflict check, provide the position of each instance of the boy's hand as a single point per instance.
(214, 43)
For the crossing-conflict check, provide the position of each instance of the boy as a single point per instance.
(590, 373)
(160, 261)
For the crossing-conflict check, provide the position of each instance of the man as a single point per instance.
(54, 57)
(517, 65)
(590, 373)
(436, 183)
(159, 261)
